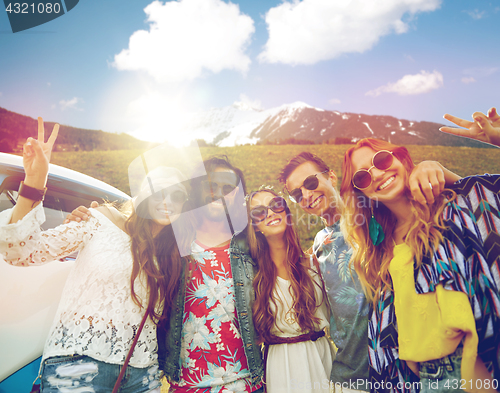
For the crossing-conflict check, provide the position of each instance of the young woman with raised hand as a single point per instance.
(290, 310)
(430, 271)
(127, 267)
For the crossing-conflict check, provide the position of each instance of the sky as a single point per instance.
(129, 65)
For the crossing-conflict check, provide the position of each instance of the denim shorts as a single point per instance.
(442, 375)
(85, 374)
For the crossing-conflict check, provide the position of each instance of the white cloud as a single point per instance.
(334, 101)
(421, 83)
(468, 79)
(308, 31)
(48, 84)
(187, 37)
(71, 104)
(476, 14)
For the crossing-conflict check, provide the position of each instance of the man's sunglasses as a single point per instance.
(382, 160)
(310, 183)
(259, 213)
(211, 187)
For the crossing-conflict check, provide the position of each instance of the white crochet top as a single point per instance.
(96, 316)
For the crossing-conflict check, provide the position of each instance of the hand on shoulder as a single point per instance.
(113, 214)
(80, 213)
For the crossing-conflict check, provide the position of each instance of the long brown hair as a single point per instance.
(157, 257)
(302, 284)
(372, 262)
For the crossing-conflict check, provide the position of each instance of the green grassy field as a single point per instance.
(261, 165)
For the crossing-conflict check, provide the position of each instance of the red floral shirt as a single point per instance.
(212, 354)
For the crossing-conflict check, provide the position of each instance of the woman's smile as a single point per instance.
(274, 221)
(387, 183)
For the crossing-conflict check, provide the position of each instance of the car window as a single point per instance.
(53, 207)
(54, 211)
(7, 199)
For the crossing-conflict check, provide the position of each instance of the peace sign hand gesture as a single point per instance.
(483, 128)
(36, 156)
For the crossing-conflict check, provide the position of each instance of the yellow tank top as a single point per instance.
(430, 325)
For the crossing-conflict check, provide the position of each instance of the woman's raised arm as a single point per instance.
(36, 158)
(483, 128)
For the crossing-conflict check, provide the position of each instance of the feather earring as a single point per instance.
(375, 230)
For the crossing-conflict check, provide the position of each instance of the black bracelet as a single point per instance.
(33, 194)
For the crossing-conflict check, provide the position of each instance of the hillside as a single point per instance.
(15, 128)
(239, 124)
(322, 126)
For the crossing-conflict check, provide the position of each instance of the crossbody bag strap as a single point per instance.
(129, 355)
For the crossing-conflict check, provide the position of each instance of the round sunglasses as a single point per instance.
(310, 183)
(382, 160)
(259, 213)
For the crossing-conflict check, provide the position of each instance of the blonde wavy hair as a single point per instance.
(425, 233)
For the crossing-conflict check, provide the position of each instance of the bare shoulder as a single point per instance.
(114, 215)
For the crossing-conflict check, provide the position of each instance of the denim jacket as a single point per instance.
(169, 331)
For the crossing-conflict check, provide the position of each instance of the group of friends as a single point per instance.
(400, 291)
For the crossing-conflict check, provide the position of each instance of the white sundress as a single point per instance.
(300, 367)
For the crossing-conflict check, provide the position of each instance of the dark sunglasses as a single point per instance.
(381, 160)
(310, 183)
(211, 187)
(259, 213)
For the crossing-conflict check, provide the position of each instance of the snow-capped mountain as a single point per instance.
(241, 124)
(235, 124)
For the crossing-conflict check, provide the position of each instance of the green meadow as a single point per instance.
(261, 166)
